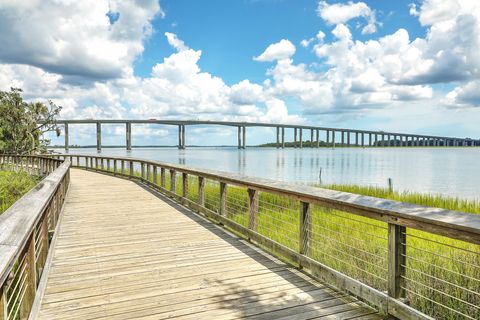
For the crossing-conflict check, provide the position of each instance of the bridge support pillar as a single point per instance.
(369, 139)
(294, 137)
(99, 136)
(244, 137)
(278, 138)
(128, 135)
(333, 139)
(283, 137)
(311, 138)
(357, 142)
(318, 138)
(239, 135)
(301, 137)
(343, 137)
(363, 139)
(179, 136)
(183, 137)
(348, 138)
(66, 136)
(327, 139)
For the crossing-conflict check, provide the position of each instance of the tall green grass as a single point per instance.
(429, 200)
(13, 185)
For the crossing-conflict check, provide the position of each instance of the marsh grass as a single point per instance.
(13, 185)
(442, 274)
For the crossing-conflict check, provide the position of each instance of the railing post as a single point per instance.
(305, 227)
(253, 209)
(3, 305)
(148, 172)
(131, 168)
(115, 167)
(173, 181)
(201, 191)
(142, 165)
(44, 238)
(184, 185)
(163, 178)
(223, 198)
(155, 178)
(396, 260)
(31, 284)
(123, 166)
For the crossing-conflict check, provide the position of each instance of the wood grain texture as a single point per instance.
(123, 252)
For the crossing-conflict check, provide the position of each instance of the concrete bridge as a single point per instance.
(123, 238)
(333, 136)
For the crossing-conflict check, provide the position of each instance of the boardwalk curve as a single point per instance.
(123, 252)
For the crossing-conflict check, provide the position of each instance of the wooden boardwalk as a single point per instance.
(123, 252)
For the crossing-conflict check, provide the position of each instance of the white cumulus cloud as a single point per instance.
(75, 38)
(283, 49)
(339, 13)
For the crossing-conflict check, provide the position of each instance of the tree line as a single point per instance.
(23, 124)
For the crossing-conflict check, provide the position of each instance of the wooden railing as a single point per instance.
(409, 261)
(25, 232)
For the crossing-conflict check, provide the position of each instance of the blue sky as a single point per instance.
(410, 66)
(230, 33)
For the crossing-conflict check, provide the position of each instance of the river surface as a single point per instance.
(453, 172)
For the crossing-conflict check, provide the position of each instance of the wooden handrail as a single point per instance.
(25, 229)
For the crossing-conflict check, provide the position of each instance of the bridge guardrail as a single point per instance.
(25, 232)
(410, 261)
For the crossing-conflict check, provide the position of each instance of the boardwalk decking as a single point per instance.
(123, 252)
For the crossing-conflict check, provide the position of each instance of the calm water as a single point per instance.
(448, 171)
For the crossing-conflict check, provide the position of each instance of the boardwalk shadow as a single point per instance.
(296, 294)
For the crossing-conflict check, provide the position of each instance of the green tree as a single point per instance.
(22, 124)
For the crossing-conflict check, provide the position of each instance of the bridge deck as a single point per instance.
(123, 252)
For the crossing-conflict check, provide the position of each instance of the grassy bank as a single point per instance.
(429, 200)
(13, 185)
